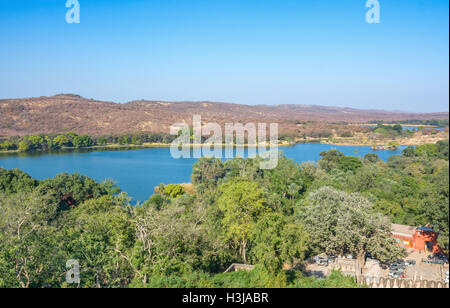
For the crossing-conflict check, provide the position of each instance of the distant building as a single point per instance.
(418, 238)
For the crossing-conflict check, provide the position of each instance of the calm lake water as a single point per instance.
(405, 127)
(417, 127)
(137, 172)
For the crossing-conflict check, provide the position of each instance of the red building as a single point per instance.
(418, 238)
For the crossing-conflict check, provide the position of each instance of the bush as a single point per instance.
(173, 191)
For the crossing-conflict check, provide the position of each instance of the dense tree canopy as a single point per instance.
(238, 213)
(342, 224)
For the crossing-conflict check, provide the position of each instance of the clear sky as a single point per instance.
(247, 51)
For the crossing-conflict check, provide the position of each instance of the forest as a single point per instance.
(305, 131)
(71, 140)
(238, 213)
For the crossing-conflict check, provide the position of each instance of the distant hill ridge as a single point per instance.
(70, 112)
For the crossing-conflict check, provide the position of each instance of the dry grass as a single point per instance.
(63, 113)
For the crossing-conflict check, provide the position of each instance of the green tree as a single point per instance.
(102, 141)
(82, 141)
(341, 223)
(70, 190)
(443, 147)
(241, 202)
(173, 191)
(8, 145)
(61, 141)
(206, 172)
(398, 128)
(156, 200)
(136, 140)
(330, 160)
(99, 234)
(349, 163)
(29, 247)
(436, 206)
(276, 242)
(372, 157)
(293, 190)
(15, 181)
(428, 150)
(409, 152)
(36, 141)
(173, 241)
(24, 146)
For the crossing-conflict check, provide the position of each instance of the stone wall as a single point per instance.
(388, 283)
(350, 267)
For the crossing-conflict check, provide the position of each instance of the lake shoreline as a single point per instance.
(336, 141)
(129, 147)
(139, 172)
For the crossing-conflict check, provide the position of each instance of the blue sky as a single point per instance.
(246, 51)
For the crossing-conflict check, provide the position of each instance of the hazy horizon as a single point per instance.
(221, 102)
(244, 52)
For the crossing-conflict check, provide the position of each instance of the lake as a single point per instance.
(417, 128)
(137, 172)
(411, 128)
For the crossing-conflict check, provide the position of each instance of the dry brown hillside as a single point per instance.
(67, 112)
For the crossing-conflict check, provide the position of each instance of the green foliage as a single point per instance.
(29, 254)
(349, 163)
(436, 206)
(341, 224)
(8, 145)
(70, 190)
(242, 202)
(409, 152)
(330, 160)
(336, 280)
(443, 149)
(136, 140)
(36, 141)
(427, 150)
(102, 141)
(277, 242)
(82, 141)
(24, 146)
(156, 200)
(206, 172)
(259, 277)
(273, 219)
(173, 191)
(99, 233)
(15, 181)
(61, 141)
(371, 157)
(391, 132)
(336, 160)
(285, 183)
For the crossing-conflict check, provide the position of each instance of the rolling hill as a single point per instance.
(69, 112)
